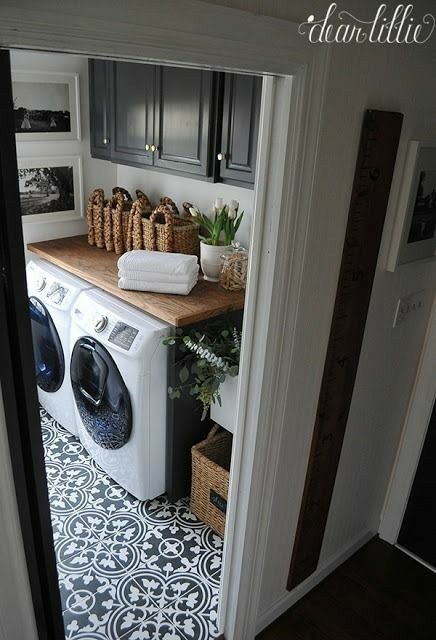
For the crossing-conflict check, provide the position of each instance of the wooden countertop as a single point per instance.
(99, 267)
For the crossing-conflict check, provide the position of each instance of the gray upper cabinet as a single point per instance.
(240, 125)
(183, 119)
(100, 107)
(133, 113)
(175, 120)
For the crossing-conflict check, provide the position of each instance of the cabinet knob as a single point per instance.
(147, 147)
(106, 140)
(153, 148)
(220, 156)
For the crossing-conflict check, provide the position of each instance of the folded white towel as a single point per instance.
(157, 287)
(159, 276)
(151, 261)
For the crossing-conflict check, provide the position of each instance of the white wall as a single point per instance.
(393, 78)
(181, 189)
(96, 173)
(16, 610)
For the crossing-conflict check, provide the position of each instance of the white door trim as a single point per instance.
(412, 439)
(295, 123)
(289, 134)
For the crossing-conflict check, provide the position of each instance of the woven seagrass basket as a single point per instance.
(94, 217)
(168, 232)
(210, 479)
(141, 208)
(117, 221)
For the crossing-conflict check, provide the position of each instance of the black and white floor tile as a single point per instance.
(128, 570)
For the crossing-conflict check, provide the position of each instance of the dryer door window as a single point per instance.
(47, 348)
(101, 395)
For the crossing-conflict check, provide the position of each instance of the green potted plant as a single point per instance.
(210, 357)
(220, 233)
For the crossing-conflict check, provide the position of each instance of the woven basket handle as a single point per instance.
(169, 225)
(144, 201)
(117, 202)
(166, 201)
(96, 197)
(126, 195)
(186, 206)
(213, 432)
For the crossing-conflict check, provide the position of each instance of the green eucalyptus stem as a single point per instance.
(210, 356)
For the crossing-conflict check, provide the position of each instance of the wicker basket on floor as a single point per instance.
(210, 479)
(165, 231)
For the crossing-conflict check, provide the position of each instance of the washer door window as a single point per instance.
(47, 348)
(101, 395)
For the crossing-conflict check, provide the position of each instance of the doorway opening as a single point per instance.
(132, 558)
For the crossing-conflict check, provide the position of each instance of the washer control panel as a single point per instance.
(101, 324)
(123, 335)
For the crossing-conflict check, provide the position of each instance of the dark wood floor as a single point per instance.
(379, 594)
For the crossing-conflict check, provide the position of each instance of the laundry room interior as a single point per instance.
(137, 190)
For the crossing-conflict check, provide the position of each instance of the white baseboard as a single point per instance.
(291, 597)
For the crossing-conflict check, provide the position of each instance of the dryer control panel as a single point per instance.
(48, 289)
(57, 293)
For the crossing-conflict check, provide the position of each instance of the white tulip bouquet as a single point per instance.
(224, 225)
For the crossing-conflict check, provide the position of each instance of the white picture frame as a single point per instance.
(414, 233)
(46, 106)
(39, 187)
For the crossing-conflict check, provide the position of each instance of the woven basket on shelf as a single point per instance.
(117, 221)
(141, 208)
(165, 231)
(210, 479)
(94, 217)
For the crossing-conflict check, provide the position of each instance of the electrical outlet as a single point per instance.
(408, 305)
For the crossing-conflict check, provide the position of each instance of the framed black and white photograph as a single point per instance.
(50, 188)
(414, 236)
(46, 106)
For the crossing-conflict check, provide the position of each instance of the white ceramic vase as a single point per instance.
(225, 415)
(211, 261)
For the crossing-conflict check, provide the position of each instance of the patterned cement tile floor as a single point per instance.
(128, 570)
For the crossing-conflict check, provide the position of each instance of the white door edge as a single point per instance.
(412, 439)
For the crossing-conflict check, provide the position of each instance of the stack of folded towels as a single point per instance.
(141, 270)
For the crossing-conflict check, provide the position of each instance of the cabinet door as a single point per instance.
(182, 120)
(100, 108)
(133, 107)
(240, 127)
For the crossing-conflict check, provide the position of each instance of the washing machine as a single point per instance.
(52, 292)
(119, 381)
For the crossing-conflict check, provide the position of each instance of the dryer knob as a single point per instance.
(40, 283)
(101, 324)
